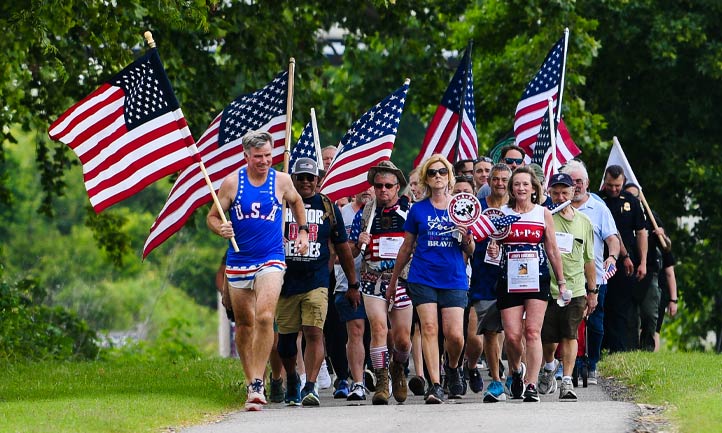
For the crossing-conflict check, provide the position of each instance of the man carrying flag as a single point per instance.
(444, 135)
(253, 196)
(221, 150)
(128, 133)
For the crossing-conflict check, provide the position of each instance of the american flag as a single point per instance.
(566, 149)
(221, 150)
(609, 272)
(128, 133)
(558, 207)
(305, 148)
(533, 104)
(485, 226)
(368, 142)
(441, 133)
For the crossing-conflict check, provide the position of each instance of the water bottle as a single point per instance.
(564, 297)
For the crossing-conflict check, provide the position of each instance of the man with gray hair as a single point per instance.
(605, 231)
(253, 198)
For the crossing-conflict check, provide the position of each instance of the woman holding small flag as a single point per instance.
(523, 285)
(437, 275)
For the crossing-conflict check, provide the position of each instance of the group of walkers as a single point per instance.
(390, 277)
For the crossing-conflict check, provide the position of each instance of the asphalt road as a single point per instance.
(593, 412)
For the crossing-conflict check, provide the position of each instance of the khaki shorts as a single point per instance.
(563, 322)
(304, 309)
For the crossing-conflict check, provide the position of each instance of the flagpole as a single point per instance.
(289, 113)
(316, 141)
(289, 121)
(151, 43)
(552, 140)
(662, 241)
(564, 69)
(462, 100)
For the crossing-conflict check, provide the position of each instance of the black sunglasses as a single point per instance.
(483, 159)
(307, 177)
(386, 185)
(516, 161)
(433, 172)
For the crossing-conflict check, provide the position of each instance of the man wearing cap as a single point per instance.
(575, 240)
(255, 273)
(304, 297)
(605, 234)
(385, 219)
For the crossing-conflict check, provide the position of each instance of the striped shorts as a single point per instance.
(375, 286)
(242, 277)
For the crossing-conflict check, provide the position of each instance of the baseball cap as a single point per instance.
(561, 179)
(305, 165)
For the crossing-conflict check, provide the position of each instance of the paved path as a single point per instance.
(594, 412)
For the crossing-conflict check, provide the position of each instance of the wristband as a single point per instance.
(626, 256)
(674, 300)
(560, 282)
(613, 256)
(353, 286)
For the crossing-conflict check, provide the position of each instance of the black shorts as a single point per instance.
(505, 300)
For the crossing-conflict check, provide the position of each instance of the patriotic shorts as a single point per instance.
(242, 277)
(375, 286)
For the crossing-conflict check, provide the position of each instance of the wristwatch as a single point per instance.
(303, 227)
(594, 291)
(674, 300)
(353, 286)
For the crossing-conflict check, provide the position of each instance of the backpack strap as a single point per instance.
(329, 212)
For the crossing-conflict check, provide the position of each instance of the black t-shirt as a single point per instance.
(629, 218)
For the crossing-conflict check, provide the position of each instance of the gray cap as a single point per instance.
(305, 165)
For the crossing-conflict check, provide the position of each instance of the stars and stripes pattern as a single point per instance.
(565, 149)
(221, 150)
(609, 272)
(533, 103)
(368, 142)
(441, 134)
(485, 226)
(305, 147)
(558, 207)
(128, 133)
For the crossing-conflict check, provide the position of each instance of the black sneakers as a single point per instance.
(530, 394)
(435, 394)
(517, 382)
(456, 387)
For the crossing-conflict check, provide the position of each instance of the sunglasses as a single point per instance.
(468, 179)
(385, 185)
(305, 177)
(483, 159)
(516, 161)
(434, 171)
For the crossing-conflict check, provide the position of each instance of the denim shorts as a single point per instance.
(444, 298)
(345, 311)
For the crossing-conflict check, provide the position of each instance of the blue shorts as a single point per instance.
(444, 298)
(345, 311)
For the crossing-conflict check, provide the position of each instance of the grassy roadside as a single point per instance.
(116, 396)
(689, 385)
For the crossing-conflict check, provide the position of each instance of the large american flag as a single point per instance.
(566, 149)
(221, 150)
(441, 134)
(368, 142)
(128, 133)
(305, 147)
(533, 104)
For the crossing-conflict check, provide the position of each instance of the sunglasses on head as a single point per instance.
(434, 171)
(483, 159)
(307, 177)
(385, 185)
(516, 161)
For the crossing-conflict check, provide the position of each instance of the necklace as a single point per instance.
(444, 212)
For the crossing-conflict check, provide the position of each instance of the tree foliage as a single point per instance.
(647, 71)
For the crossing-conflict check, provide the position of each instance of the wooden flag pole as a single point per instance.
(316, 141)
(662, 240)
(289, 124)
(151, 43)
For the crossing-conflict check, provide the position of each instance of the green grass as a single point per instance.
(688, 384)
(116, 396)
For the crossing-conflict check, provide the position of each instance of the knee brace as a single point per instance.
(287, 345)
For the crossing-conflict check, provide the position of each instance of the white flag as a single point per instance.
(617, 157)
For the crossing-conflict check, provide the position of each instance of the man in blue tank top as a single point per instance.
(253, 198)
